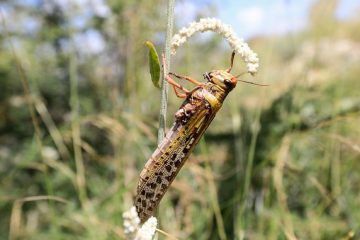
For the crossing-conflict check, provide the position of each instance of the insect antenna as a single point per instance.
(257, 84)
(231, 62)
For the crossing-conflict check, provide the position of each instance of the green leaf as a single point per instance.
(154, 64)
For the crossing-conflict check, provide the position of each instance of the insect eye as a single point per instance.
(229, 83)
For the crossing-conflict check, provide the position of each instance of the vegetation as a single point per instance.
(78, 120)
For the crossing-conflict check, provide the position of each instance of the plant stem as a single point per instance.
(76, 135)
(30, 100)
(249, 167)
(164, 84)
(214, 199)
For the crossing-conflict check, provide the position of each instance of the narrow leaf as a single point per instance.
(154, 64)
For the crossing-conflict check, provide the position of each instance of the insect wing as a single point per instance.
(168, 159)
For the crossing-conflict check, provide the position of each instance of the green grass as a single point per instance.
(280, 162)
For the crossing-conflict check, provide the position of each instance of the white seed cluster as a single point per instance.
(215, 25)
(132, 228)
(147, 230)
(131, 223)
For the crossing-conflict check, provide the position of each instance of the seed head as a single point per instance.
(132, 228)
(215, 25)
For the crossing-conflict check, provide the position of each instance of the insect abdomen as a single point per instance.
(192, 119)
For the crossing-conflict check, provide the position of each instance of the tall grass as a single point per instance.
(277, 163)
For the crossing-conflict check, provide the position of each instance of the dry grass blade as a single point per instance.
(168, 235)
(54, 131)
(346, 141)
(278, 173)
(15, 219)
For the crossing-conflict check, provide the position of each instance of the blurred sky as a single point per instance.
(255, 17)
(248, 18)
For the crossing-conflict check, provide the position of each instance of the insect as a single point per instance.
(191, 120)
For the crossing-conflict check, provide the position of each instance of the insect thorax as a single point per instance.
(209, 96)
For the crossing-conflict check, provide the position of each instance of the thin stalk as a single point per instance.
(30, 103)
(164, 84)
(74, 103)
(214, 199)
(25, 86)
(249, 166)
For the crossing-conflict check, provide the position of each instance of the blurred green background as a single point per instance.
(79, 118)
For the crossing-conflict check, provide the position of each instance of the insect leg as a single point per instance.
(231, 61)
(173, 83)
(177, 86)
(179, 95)
(186, 78)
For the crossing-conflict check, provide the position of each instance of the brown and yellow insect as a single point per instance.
(191, 120)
